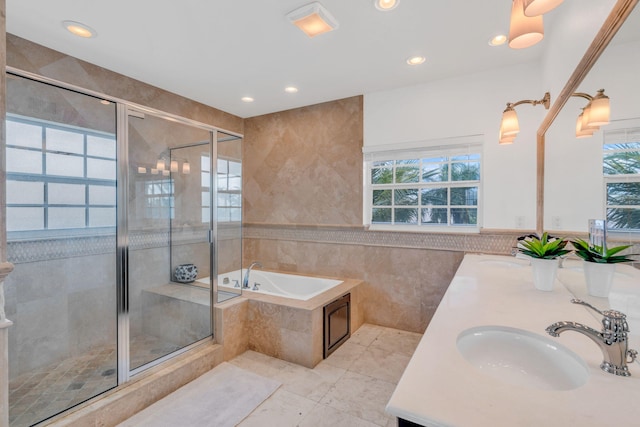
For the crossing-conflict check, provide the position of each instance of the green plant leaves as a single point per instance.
(600, 254)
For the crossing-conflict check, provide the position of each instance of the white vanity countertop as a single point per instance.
(440, 388)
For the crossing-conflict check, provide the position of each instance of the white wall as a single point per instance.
(574, 187)
(471, 105)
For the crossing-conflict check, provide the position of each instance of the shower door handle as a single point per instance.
(210, 236)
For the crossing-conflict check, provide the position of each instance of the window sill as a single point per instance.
(435, 229)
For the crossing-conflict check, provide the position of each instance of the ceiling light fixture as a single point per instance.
(386, 5)
(540, 7)
(247, 99)
(524, 31)
(291, 89)
(498, 40)
(313, 19)
(416, 60)
(79, 29)
(597, 113)
(509, 126)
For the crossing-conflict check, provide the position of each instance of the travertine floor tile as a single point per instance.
(282, 409)
(323, 415)
(366, 334)
(344, 356)
(361, 396)
(381, 363)
(397, 341)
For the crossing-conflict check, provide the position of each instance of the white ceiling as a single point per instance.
(216, 51)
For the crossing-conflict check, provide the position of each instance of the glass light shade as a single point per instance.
(524, 31)
(540, 7)
(313, 19)
(174, 166)
(506, 139)
(165, 172)
(386, 5)
(580, 131)
(186, 168)
(509, 125)
(160, 165)
(600, 111)
(142, 169)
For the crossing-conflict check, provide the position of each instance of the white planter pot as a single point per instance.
(599, 278)
(544, 273)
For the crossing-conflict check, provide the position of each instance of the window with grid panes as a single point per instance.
(424, 188)
(58, 176)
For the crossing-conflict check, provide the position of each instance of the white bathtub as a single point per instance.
(280, 284)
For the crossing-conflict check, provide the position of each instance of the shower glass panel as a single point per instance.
(61, 232)
(166, 232)
(228, 193)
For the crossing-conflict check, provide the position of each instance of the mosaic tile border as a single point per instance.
(499, 242)
(33, 250)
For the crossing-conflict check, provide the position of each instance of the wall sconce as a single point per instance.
(594, 115)
(186, 167)
(509, 126)
(524, 31)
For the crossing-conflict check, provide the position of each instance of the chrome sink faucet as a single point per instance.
(612, 340)
(245, 282)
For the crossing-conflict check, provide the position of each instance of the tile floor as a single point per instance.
(349, 388)
(44, 392)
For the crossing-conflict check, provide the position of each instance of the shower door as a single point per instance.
(168, 239)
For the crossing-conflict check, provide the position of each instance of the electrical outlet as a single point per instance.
(556, 223)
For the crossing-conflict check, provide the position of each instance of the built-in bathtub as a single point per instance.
(287, 285)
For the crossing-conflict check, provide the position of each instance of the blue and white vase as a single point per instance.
(186, 273)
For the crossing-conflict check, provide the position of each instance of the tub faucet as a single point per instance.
(245, 282)
(612, 340)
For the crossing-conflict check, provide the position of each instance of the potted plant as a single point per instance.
(599, 265)
(544, 253)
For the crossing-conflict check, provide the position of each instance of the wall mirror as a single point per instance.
(575, 185)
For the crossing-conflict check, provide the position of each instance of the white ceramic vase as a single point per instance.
(544, 273)
(599, 278)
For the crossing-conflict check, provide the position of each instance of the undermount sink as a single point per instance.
(522, 358)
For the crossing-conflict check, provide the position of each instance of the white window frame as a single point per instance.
(46, 179)
(617, 133)
(446, 147)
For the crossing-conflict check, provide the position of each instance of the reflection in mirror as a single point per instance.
(599, 176)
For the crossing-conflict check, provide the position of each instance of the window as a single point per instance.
(229, 185)
(621, 169)
(424, 188)
(58, 177)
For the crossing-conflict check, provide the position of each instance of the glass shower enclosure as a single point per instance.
(119, 218)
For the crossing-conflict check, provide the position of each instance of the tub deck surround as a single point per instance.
(286, 328)
(440, 388)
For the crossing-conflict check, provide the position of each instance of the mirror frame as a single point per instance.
(618, 15)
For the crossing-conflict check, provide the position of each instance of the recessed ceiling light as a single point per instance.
(416, 60)
(105, 102)
(291, 89)
(498, 40)
(386, 5)
(79, 29)
(247, 99)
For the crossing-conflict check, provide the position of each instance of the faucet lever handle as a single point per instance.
(586, 304)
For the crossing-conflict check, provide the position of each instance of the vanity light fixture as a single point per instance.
(186, 167)
(174, 166)
(313, 19)
(597, 113)
(79, 29)
(524, 31)
(509, 126)
(540, 7)
(160, 164)
(386, 5)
